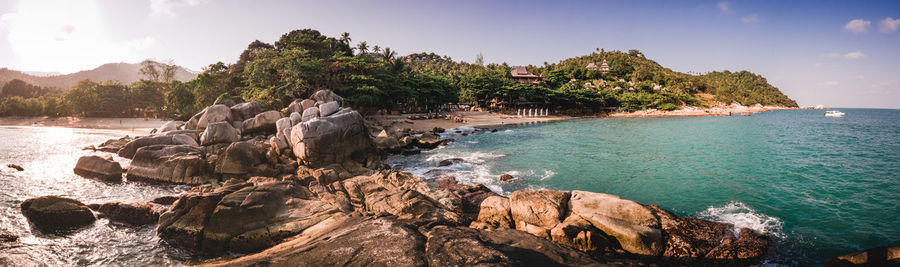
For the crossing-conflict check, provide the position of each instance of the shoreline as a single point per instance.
(132, 125)
(701, 112)
(480, 119)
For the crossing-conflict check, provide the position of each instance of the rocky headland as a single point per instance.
(307, 185)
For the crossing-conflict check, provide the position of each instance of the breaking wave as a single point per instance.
(742, 216)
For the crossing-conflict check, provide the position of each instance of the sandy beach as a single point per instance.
(135, 125)
(472, 118)
(700, 112)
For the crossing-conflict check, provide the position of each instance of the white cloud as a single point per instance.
(167, 7)
(858, 26)
(854, 55)
(65, 36)
(830, 83)
(751, 18)
(859, 77)
(724, 6)
(888, 25)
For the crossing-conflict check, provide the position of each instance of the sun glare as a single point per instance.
(63, 35)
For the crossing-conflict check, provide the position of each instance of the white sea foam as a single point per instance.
(474, 157)
(742, 216)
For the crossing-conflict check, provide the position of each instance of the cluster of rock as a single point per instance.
(307, 189)
(605, 224)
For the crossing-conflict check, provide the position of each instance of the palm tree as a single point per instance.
(363, 47)
(376, 49)
(388, 54)
(345, 38)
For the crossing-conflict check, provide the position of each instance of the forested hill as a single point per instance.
(126, 73)
(373, 78)
(633, 71)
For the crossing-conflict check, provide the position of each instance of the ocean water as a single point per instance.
(48, 156)
(819, 186)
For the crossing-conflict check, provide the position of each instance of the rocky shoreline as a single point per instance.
(307, 185)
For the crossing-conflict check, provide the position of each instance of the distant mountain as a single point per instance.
(43, 73)
(123, 72)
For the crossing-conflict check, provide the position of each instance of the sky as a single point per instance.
(834, 53)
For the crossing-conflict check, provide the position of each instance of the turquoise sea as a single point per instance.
(820, 186)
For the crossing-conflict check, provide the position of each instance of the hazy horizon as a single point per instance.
(839, 54)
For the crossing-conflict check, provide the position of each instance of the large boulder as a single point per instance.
(403, 195)
(632, 224)
(457, 246)
(494, 213)
(309, 114)
(180, 164)
(114, 145)
(429, 140)
(131, 213)
(53, 213)
(213, 114)
(328, 108)
(170, 126)
(131, 148)
(240, 157)
(589, 204)
(219, 132)
(471, 195)
(544, 208)
(262, 122)
(387, 241)
(241, 217)
(387, 144)
(104, 168)
(325, 96)
(192, 123)
(325, 140)
(353, 241)
(245, 110)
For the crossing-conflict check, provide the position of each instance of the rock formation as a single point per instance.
(131, 213)
(103, 168)
(604, 224)
(308, 186)
(53, 213)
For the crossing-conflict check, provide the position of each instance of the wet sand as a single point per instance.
(135, 125)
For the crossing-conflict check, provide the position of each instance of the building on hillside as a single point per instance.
(522, 75)
(604, 67)
(592, 66)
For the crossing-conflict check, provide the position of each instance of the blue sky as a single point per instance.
(836, 53)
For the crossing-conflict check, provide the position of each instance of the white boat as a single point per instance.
(834, 113)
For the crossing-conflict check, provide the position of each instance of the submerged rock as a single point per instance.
(104, 168)
(131, 213)
(52, 213)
